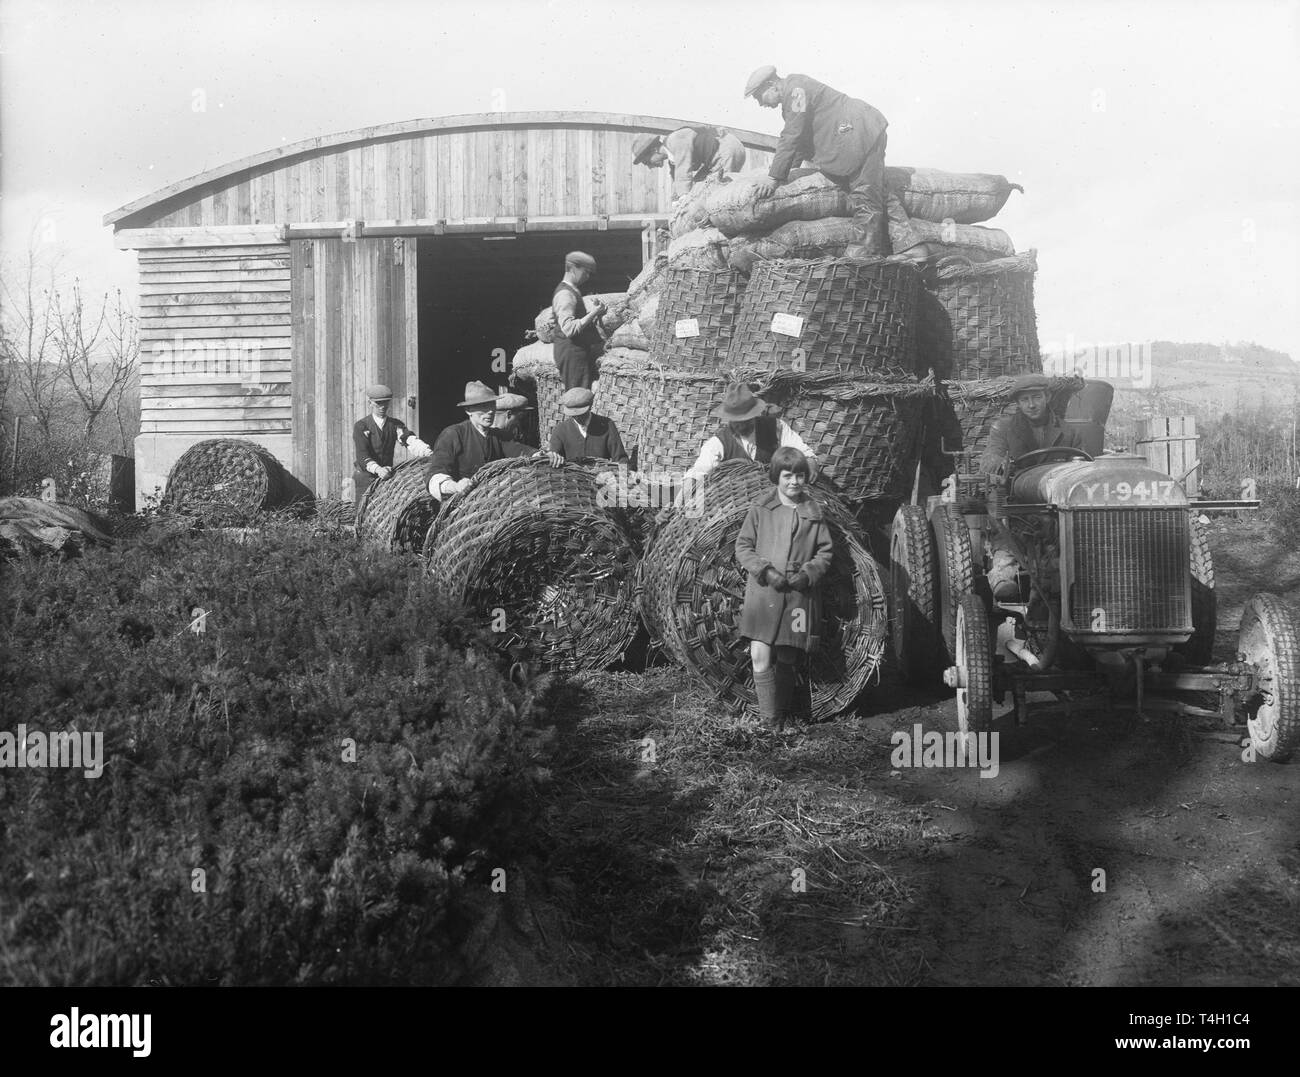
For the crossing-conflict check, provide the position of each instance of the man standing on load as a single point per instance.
(843, 137)
(579, 343)
(693, 154)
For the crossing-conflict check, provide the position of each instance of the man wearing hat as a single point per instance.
(584, 435)
(692, 153)
(843, 137)
(509, 415)
(747, 432)
(1032, 426)
(375, 436)
(580, 342)
(465, 447)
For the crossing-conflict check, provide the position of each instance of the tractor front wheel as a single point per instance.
(1269, 639)
(974, 666)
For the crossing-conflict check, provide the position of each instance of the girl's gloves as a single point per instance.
(769, 577)
(799, 581)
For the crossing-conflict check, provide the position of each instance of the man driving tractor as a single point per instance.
(1033, 426)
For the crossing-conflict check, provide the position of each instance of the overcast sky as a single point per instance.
(1157, 143)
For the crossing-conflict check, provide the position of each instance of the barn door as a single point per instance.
(353, 307)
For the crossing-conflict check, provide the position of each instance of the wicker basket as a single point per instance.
(395, 513)
(693, 590)
(618, 389)
(865, 434)
(711, 297)
(974, 406)
(677, 416)
(977, 321)
(536, 544)
(225, 480)
(854, 318)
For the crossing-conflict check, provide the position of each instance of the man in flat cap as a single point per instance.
(843, 137)
(580, 342)
(692, 154)
(584, 435)
(510, 414)
(465, 447)
(1032, 426)
(375, 436)
(748, 431)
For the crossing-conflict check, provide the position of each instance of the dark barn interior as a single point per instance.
(480, 293)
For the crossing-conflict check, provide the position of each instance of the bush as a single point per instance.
(224, 752)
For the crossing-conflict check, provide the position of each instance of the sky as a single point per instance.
(1157, 143)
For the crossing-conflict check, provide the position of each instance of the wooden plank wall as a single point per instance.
(214, 340)
(1170, 444)
(504, 172)
(354, 323)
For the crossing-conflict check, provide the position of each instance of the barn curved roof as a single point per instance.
(410, 128)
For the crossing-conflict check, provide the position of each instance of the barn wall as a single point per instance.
(451, 175)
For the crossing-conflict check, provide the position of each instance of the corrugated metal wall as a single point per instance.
(215, 340)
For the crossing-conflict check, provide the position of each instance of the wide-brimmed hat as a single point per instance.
(1029, 382)
(739, 404)
(378, 392)
(513, 402)
(760, 78)
(643, 147)
(476, 395)
(577, 401)
(580, 259)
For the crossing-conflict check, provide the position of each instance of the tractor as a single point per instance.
(1115, 592)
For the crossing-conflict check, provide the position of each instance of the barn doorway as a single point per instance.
(479, 293)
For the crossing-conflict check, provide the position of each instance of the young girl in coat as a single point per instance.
(785, 547)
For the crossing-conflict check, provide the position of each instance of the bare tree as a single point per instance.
(98, 352)
(31, 353)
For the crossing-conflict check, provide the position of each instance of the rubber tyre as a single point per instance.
(912, 582)
(1199, 650)
(1269, 636)
(974, 651)
(956, 561)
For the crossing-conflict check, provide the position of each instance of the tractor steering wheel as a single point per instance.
(1069, 451)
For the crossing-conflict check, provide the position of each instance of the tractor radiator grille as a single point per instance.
(1131, 570)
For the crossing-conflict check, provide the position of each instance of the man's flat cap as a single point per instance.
(577, 400)
(580, 259)
(643, 147)
(757, 80)
(1027, 382)
(379, 392)
(512, 402)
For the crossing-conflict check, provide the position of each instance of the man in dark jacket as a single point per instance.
(843, 137)
(579, 342)
(584, 435)
(465, 447)
(375, 437)
(1033, 426)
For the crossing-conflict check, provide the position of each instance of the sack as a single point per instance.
(735, 207)
(966, 197)
(993, 240)
(691, 212)
(545, 326)
(705, 247)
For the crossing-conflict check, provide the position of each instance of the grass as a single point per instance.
(684, 869)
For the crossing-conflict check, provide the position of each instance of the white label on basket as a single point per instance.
(788, 325)
(687, 327)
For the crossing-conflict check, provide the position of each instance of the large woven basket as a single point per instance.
(974, 406)
(710, 298)
(225, 480)
(977, 321)
(395, 513)
(535, 552)
(850, 317)
(693, 591)
(865, 434)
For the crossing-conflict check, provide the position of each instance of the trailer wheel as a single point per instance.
(1199, 650)
(974, 663)
(913, 624)
(1269, 639)
(956, 572)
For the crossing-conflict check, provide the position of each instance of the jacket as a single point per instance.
(824, 126)
(1013, 435)
(601, 443)
(371, 444)
(790, 540)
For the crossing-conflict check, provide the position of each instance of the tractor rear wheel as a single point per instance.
(912, 596)
(956, 562)
(974, 661)
(1269, 639)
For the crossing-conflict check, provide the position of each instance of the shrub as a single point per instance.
(224, 743)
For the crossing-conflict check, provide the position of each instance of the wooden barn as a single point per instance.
(275, 288)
